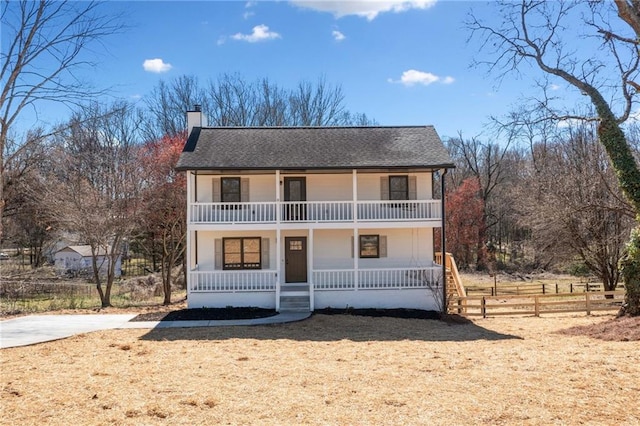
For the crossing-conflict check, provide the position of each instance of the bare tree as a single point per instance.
(574, 206)
(27, 212)
(98, 196)
(316, 105)
(535, 32)
(45, 42)
(166, 106)
(231, 100)
(485, 161)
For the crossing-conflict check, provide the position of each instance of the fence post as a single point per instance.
(571, 288)
(483, 307)
(536, 306)
(556, 288)
(588, 303)
(544, 289)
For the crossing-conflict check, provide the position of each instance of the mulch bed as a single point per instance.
(207, 314)
(624, 329)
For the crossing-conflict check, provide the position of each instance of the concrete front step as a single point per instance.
(294, 297)
(294, 287)
(294, 302)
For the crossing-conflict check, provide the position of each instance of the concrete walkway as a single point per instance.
(23, 331)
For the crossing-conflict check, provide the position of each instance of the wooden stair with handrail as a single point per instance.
(455, 288)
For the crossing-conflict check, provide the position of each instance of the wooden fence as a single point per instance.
(534, 288)
(537, 304)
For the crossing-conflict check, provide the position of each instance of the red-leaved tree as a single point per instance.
(165, 201)
(464, 221)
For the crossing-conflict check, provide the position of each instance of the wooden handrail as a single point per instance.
(456, 275)
(450, 264)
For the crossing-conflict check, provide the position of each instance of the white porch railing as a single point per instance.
(402, 210)
(233, 212)
(232, 281)
(325, 279)
(336, 279)
(377, 279)
(315, 211)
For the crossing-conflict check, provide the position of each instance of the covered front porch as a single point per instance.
(315, 268)
(370, 288)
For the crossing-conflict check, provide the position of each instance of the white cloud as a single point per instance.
(366, 8)
(248, 15)
(554, 87)
(156, 65)
(221, 40)
(136, 97)
(260, 33)
(337, 35)
(413, 77)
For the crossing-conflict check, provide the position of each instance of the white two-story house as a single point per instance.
(304, 218)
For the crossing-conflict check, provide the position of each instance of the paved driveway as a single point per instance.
(32, 329)
(23, 331)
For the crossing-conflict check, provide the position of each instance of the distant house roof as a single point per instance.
(84, 251)
(270, 148)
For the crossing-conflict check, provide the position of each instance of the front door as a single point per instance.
(295, 258)
(295, 191)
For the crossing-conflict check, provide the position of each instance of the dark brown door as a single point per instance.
(295, 189)
(295, 258)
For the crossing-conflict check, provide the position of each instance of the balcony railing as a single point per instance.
(315, 211)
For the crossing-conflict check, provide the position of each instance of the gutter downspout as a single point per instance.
(443, 248)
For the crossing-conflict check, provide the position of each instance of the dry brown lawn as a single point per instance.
(333, 370)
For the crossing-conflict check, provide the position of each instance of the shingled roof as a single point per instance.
(270, 148)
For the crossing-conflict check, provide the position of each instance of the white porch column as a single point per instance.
(356, 257)
(278, 266)
(355, 194)
(189, 253)
(356, 274)
(278, 242)
(310, 263)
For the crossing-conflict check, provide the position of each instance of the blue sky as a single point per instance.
(401, 63)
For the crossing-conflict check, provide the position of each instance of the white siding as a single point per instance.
(332, 249)
(381, 299)
(263, 188)
(323, 187)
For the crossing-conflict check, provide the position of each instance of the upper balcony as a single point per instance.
(315, 212)
(326, 199)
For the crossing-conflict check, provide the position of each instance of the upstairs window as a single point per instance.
(398, 187)
(230, 190)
